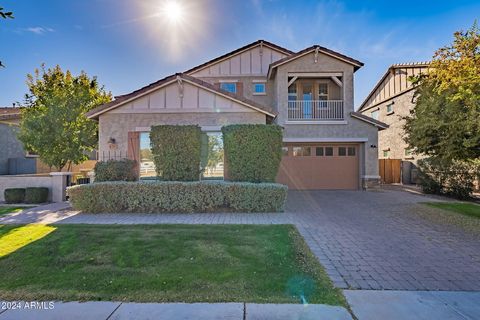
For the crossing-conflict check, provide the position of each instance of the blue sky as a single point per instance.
(130, 43)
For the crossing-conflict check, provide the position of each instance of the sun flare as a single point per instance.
(173, 11)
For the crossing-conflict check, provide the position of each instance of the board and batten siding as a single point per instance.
(174, 99)
(394, 83)
(253, 61)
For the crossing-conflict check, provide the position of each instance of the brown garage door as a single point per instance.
(320, 166)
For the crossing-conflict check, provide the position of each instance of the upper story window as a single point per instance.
(390, 108)
(292, 92)
(229, 86)
(374, 114)
(323, 91)
(259, 88)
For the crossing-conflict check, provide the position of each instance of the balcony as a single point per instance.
(315, 110)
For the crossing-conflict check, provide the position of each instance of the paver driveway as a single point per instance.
(373, 240)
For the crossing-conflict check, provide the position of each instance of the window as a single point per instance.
(342, 151)
(147, 166)
(386, 153)
(374, 114)
(323, 91)
(389, 108)
(229, 86)
(351, 151)
(292, 92)
(284, 151)
(259, 89)
(212, 156)
(301, 151)
(329, 151)
(319, 151)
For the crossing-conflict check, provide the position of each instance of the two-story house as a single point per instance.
(390, 101)
(309, 93)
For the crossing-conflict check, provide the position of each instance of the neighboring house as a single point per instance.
(309, 93)
(13, 158)
(391, 99)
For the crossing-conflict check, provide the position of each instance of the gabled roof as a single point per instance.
(356, 64)
(121, 100)
(360, 116)
(238, 51)
(424, 64)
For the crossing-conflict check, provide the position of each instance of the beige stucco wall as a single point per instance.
(350, 130)
(117, 125)
(307, 63)
(392, 138)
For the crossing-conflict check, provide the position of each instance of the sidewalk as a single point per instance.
(173, 311)
(46, 214)
(418, 305)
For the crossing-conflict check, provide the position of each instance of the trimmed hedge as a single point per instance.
(36, 195)
(175, 196)
(252, 151)
(176, 152)
(116, 170)
(451, 178)
(14, 195)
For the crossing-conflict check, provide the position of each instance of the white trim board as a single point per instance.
(325, 139)
(316, 122)
(370, 177)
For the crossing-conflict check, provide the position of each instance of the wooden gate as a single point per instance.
(390, 170)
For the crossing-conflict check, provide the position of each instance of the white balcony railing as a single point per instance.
(315, 110)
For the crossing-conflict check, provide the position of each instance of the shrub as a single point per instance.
(176, 152)
(116, 170)
(175, 196)
(36, 195)
(451, 178)
(14, 195)
(252, 152)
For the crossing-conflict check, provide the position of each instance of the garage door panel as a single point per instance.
(319, 172)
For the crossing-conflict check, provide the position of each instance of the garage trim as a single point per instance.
(326, 140)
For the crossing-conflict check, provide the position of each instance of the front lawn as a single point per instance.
(5, 210)
(468, 209)
(190, 263)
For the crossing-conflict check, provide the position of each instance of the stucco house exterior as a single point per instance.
(309, 93)
(13, 158)
(390, 100)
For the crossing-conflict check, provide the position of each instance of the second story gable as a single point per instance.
(252, 60)
(395, 82)
(319, 81)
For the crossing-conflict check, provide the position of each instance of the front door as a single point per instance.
(307, 100)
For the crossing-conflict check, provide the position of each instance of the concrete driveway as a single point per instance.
(374, 240)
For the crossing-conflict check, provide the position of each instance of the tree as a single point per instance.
(5, 14)
(445, 122)
(54, 124)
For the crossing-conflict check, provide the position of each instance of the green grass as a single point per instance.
(5, 210)
(190, 263)
(467, 209)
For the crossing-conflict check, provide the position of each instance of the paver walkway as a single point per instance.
(173, 311)
(365, 240)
